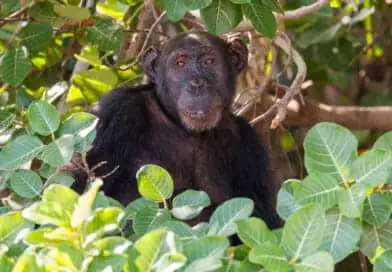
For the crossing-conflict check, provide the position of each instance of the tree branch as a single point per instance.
(352, 117)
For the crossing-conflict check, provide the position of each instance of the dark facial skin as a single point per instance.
(195, 77)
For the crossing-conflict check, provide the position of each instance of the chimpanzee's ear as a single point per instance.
(239, 54)
(149, 63)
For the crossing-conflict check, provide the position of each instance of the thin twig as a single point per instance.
(293, 90)
(15, 15)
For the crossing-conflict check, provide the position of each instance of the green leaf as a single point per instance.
(82, 126)
(319, 34)
(85, 202)
(205, 253)
(59, 152)
(64, 196)
(90, 55)
(154, 183)
(377, 209)
(189, 204)
(318, 188)
(175, 9)
(26, 183)
(223, 219)
(351, 201)
(45, 237)
(240, 1)
(111, 244)
(43, 118)
(303, 231)
(21, 150)
(106, 263)
(197, 4)
(43, 11)
(62, 178)
(137, 205)
(384, 142)
(47, 213)
(15, 66)
(341, 235)
(149, 247)
(180, 229)
(261, 18)
(270, 256)
(272, 5)
(6, 120)
(384, 262)
(373, 238)
(254, 232)
(72, 12)
(373, 168)
(28, 263)
(36, 36)
(149, 218)
(221, 16)
(318, 262)
(201, 229)
(106, 35)
(285, 200)
(330, 149)
(10, 223)
(101, 222)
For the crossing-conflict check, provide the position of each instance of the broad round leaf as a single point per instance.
(43, 11)
(47, 213)
(15, 66)
(222, 221)
(351, 200)
(106, 263)
(373, 237)
(26, 183)
(261, 18)
(154, 183)
(384, 142)
(59, 152)
(21, 150)
(341, 235)
(205, 253)
(138, 205)
(6, 119)
(373, 168)
(149, 247)
(189, 204)
(285, 200)
(384, 262)
(254, 232)
(101, 222)
(36, 36)
(43, 118)
(180, 229)
(319, 189)
(318, 262)
(330, 149)
(303, 231)
(270, 256)
(72, 12)
(82, 126)
(10, 223)
(106, 35)
(197, 4)
(85, 202)
(62, 178)
(149, 218)
(175, 9)
(66, 197)
(221, 16)
(377, 209)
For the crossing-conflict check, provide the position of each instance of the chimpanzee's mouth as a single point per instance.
(197, 114)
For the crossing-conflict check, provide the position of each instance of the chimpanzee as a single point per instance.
(182, 121)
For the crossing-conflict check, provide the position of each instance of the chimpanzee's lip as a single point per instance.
(196, 114)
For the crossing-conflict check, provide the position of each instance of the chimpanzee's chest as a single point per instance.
(199, 162)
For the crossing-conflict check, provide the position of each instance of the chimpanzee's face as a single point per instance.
(195, 78)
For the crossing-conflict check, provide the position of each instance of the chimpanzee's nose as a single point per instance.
(197, 82)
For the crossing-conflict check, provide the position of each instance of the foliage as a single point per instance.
(343, 205)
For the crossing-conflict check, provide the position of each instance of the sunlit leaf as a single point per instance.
(318, 262)
(270, 256)
(254, 232)
(189, 204)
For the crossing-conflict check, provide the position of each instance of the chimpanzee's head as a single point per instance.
(195, 77)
